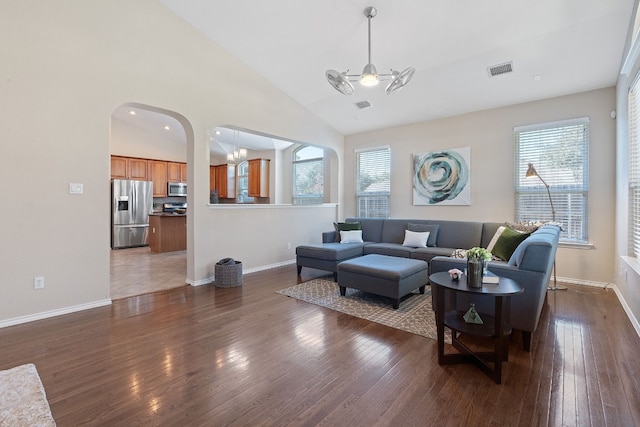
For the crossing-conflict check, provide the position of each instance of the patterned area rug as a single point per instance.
(23, 401)
(414, 315)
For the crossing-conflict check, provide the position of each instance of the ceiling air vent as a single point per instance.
(496, 70)
(363, 104)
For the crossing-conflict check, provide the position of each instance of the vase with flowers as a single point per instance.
(477, 259)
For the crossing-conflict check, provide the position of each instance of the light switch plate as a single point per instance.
(75, 188)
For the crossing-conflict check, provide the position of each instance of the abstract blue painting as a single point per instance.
(442, 177)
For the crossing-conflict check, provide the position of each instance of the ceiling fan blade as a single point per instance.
(339, 82)
(400, 80)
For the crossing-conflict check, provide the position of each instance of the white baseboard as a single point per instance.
(53, 313)
(583, 282)
(212, 278)
(625, 306)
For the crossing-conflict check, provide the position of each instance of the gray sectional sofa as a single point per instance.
(530, 265)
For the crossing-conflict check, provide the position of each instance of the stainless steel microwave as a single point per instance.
(177, 189)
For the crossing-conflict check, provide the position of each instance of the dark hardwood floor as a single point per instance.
(247, 356)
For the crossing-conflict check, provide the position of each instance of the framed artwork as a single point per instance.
(442, 177)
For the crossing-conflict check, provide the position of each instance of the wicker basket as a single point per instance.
(228, 276)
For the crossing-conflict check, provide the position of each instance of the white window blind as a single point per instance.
(373, 184)
(634, 169)
(559, 152)
(308, 176)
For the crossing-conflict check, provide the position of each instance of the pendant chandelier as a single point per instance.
(239, 154)
(369, 77)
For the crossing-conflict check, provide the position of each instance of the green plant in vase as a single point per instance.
(479, 253)
(477, 259)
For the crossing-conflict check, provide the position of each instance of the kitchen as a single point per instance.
(150, 146)
(149, 175)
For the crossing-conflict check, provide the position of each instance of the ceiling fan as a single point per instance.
(369, 77)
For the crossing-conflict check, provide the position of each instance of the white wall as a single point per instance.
(490, 136)
(66, 66)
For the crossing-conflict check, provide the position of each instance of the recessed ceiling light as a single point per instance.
(133, 113)
(166, 127)
(217, 132)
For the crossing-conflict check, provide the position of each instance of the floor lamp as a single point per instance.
(532, 172)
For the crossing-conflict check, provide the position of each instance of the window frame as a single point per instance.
(550, 146)
(373, 204)
(310, 199)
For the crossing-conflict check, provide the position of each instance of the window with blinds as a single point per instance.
(308, 176)
(373, 182)
(559, 153)
(634, 169)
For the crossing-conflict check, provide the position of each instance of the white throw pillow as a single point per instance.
(495, 238)
(415, 239)
(351, 236)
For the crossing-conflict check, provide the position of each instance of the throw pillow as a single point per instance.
(351, 236)
(527, 227)
(431, 228)
(459, 253)
(508, 242)
(345, 226)
(415, 239)
(495, 238)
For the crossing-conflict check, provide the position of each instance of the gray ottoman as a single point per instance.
(388, 276)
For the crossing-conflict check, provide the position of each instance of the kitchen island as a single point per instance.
(167, 232)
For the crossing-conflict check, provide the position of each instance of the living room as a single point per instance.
(68, 65)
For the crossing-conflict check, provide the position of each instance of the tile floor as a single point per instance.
(137, 271)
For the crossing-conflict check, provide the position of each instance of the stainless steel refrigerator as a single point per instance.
(131, 203)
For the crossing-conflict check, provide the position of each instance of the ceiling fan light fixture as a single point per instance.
(340, 82)
(369, 76)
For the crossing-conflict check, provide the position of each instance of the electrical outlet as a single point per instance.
(38, 282)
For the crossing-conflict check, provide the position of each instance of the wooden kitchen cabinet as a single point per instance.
(259, 178)
(173, 172)
(212, 178)
(129, 168)
(183, 172)
(176, 172)
(226, 181)
(158, 174)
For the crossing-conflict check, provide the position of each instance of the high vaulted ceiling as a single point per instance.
(557, 47)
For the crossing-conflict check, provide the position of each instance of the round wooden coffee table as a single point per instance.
(495, 326)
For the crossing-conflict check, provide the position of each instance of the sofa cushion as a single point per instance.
(330, 251)
(371, 228)
(393, 230)
(458, 234)
(346, 226)
(427, 253)
(390, 249)
(415, 239)
(507, 243)
(431, 228)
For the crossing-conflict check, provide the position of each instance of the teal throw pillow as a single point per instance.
(345, 226)
(507, 243)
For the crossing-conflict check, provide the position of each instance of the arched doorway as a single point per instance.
(150, 136)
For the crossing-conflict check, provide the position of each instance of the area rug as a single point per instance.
(414, 315)
(23, 401)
